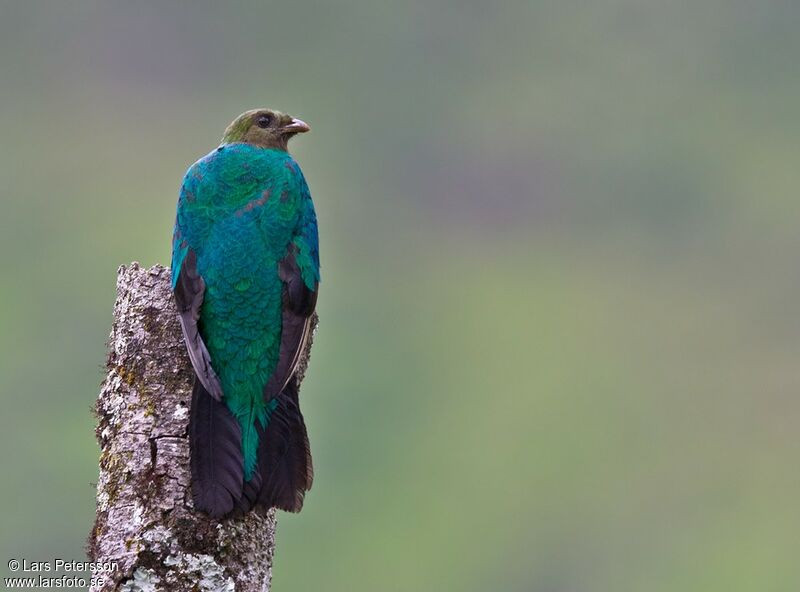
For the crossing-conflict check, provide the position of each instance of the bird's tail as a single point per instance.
(215, 442)
(285, 471)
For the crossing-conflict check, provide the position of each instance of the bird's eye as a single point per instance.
(264, 120)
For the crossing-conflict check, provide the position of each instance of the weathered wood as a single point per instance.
(145, 520)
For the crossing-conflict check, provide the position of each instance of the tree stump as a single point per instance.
(145, 521)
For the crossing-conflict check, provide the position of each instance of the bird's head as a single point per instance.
(265, 128)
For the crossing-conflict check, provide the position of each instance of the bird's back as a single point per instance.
(239, 208)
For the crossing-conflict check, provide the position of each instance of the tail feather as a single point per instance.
(217, 464)
(284, 455)
(250, 491)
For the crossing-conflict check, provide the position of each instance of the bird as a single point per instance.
(245, 278)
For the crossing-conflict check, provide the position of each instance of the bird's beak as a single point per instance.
(298, 126)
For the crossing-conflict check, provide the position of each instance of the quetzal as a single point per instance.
(245, 274)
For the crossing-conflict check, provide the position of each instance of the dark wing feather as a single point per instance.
(285, 471)
(189, 291)
(298, 306)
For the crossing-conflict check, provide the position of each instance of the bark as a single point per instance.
(145, 521)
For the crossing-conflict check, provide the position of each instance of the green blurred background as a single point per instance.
(559, 243)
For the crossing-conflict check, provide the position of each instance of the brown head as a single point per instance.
(265, 128)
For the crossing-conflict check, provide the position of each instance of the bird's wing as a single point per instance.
(285, 470)
(189, 289)
(298, 303)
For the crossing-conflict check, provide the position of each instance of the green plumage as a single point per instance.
(240, 208)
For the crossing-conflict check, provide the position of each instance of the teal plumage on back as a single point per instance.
(245, 269)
